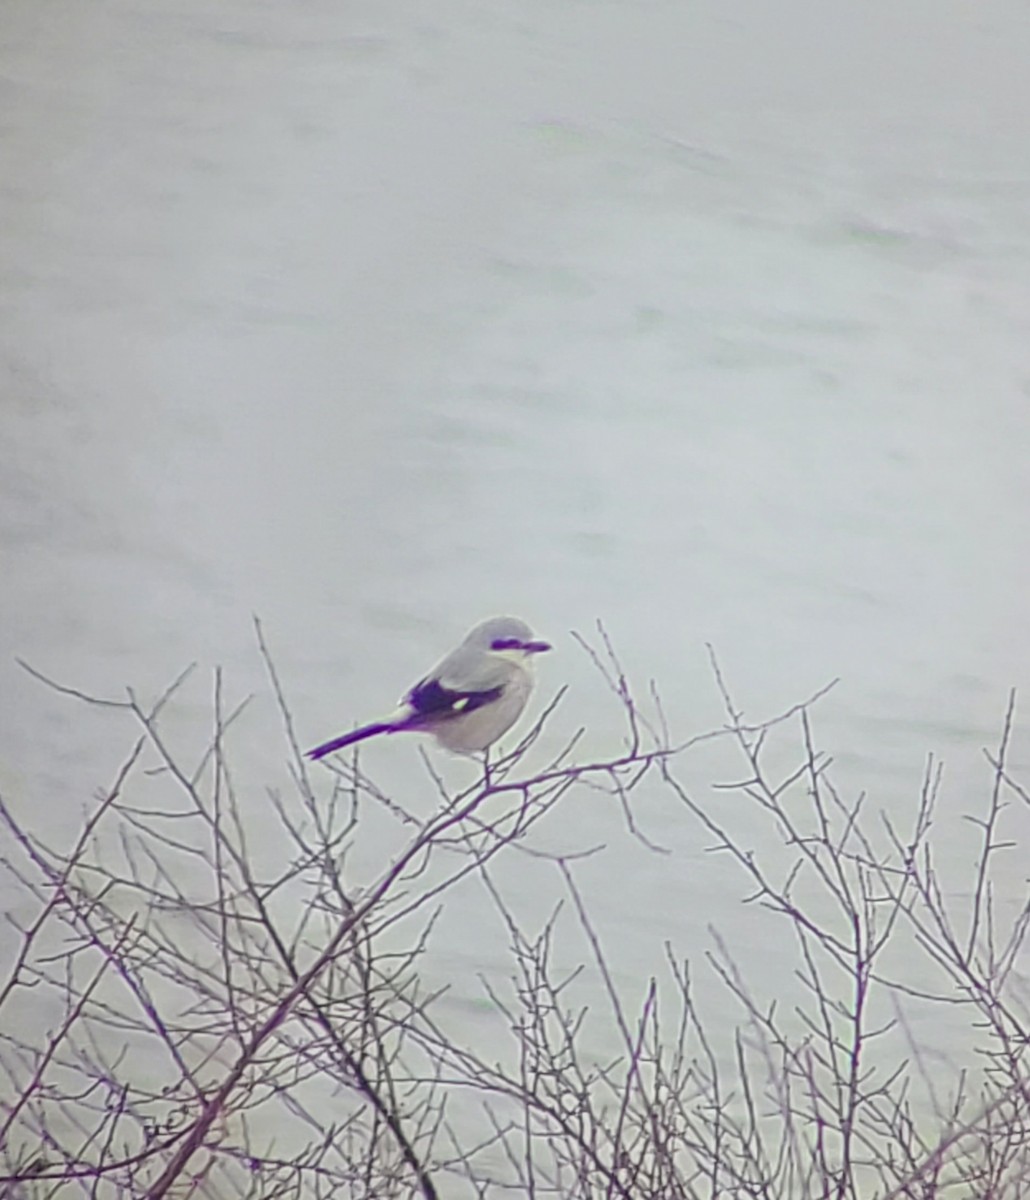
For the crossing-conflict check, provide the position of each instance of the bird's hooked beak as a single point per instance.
(535, 647)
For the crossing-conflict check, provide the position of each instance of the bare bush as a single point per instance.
(180, 1018)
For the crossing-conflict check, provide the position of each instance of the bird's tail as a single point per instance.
(392, 724)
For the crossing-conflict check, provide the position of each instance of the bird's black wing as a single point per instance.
(430, 699)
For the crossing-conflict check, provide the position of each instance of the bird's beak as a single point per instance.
(536, 647)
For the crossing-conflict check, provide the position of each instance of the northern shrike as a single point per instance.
(470, 697)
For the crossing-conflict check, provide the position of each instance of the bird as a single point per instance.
(470, 698)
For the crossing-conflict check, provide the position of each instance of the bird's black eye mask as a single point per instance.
(518, 644)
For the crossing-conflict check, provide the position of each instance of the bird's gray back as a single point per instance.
(471, 669)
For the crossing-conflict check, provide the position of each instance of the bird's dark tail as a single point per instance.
(347, 739)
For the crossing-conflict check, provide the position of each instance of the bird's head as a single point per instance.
(508, 636)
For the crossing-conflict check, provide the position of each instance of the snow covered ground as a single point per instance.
(711, 320)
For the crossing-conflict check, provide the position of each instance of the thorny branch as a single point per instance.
(190, 1008)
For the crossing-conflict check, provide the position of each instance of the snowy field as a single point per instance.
(709, 320)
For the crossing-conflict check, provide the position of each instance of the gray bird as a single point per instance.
(470, 697)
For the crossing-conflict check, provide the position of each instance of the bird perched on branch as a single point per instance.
(470, 697)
